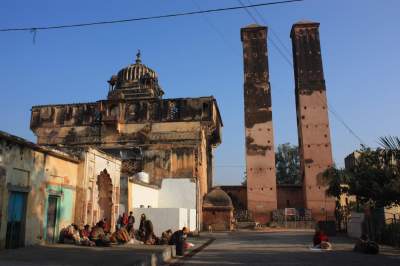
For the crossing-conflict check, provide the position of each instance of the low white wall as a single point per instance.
(142, 195)
(192, 214)
(163, 218)
(177, 193)
(173, 206)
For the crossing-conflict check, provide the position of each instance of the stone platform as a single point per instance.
(68, 255)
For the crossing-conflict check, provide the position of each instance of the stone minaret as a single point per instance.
(312, 117)
(260, 154)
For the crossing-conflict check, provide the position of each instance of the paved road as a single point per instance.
(284, 248)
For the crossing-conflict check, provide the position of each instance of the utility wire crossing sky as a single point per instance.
(146, 18)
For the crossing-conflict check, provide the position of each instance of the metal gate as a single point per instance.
(52, 212)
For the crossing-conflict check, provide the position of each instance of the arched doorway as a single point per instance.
(105, 190)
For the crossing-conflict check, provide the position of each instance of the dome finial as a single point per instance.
(138, 60)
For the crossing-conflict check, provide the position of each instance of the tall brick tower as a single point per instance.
(312, 117)
(260, 154)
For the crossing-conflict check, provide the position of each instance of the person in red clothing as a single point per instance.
(85, 232)
(321, 240)
(125, 220)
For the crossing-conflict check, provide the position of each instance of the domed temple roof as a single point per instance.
(136, 81)
(217, 198)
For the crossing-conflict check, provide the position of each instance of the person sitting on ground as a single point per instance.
(365, 245)
(98, 235)
(85, 232)
(165, 237)
(321, 240)
(106, 225)
(149, 236)
(70, 235)
(178, 239)
(121, 236)
(85, 236)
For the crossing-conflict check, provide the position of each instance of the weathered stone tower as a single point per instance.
(260, 154)
(312, 117)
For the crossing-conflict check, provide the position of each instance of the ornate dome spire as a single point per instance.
(138, 60)
(136, 81)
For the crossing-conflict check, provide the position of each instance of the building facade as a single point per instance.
(43, 190)
(166, 138)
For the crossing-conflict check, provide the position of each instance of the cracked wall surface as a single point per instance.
(167, 138)
(260, 154)
(40, 173)
(312, 118)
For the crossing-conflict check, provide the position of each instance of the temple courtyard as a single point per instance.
(230, 248)
(284, 248)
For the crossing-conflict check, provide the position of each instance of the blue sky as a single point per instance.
(201, 55)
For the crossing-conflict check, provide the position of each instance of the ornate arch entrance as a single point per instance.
(104, 199)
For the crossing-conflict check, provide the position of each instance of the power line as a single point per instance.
(329, 107)
(230, 165)
(271, 29)
(269, 38)
(213, 26)
(341, 120)
(35, 28)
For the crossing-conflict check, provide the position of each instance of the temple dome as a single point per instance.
(136, 81)
(134, 73)
(217, 198)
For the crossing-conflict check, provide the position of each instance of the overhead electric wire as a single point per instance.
(271, 29)
(341, 120)
(213, 26)
(329, 107)
(269, 38)
(230, 165)
(36, 28)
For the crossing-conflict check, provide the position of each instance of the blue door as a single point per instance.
(16, 220)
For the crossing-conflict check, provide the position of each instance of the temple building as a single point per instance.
(165, 138)
(217, 211)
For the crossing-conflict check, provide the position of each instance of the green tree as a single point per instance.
(244, 182)
(374, 178)
(287, 163)
(337, 181)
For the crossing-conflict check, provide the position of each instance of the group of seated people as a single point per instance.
(363, 244)
(100, 234)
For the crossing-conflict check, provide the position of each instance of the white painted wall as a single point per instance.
(192, 214)
(177, 193)
(162, 218)
(104, 161)
(173, 206)
(143, 195)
